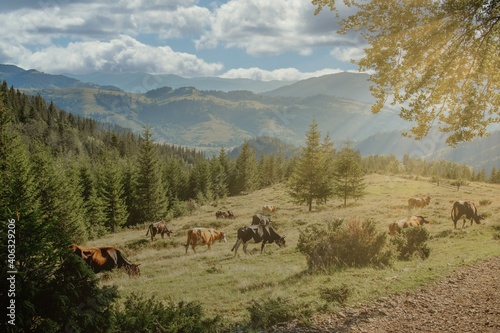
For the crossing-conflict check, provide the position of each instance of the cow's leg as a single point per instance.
(245, 244)
(463, 224)
(187, 243)
(236, 245)
(262, 246)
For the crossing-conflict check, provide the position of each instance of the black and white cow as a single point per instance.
(259, 219)
(466, 209)
(258, 234)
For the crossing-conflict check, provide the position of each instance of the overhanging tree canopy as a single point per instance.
(440, 60)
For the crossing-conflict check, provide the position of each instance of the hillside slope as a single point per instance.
(353, 86)
(206, 119)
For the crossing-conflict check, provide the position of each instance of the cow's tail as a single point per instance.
(149, 229)
(189, 234)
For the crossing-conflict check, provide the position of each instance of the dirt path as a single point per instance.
(466, 301)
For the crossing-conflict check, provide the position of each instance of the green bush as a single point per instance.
(140, 314)
(338, 244)
(411, 242)
(271, 312)
(338, 295)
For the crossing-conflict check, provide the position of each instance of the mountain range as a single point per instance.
(228, 111)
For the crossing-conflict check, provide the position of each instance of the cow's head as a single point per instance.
(394, 228)
(168, 232)
(133, 270)
(477, 219)
(422, 220)
(281, 241)
(222, 237)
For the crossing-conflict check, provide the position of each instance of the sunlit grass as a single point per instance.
(226, 285)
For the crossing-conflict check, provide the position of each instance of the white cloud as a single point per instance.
(117, 55)
(290, 74)
(263, 27)
(347, 54)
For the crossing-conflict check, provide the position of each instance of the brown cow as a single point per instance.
(207, 236)
(158, 228)
(412, 221)
(418, 202)
(224, 214)
(466, 209)
(105, 259)
(269, 208)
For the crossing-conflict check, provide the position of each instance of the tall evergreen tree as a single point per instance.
(113, 197)
(219, 177)
(246, 170)
(310, 179)
(348, 175)
(177, 177)
(200, 181)
(150, 198)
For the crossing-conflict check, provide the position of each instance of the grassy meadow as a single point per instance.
(227, 286)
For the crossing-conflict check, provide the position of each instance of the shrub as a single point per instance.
(271, 312)
(140, 314)
(340, 244)
(410, 242)
(338, 294)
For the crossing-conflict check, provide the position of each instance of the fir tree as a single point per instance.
(348, 175)
(310, 179)
(150, 198)
(112, 193)
(246, 170)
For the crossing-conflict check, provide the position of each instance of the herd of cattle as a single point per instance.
(260, 231)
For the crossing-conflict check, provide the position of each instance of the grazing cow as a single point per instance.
(105, 259)
(259, 219)
(418, 202)
(412, 221)
(246, 234)
(466, 209)
(205, 235)
(158, 228)
(224, 214)
(269, 208)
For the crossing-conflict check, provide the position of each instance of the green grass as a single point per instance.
(227, 286)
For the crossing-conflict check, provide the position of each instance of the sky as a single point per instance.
(256, 39)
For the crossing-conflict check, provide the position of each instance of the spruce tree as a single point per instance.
(310, 179)
(348, 175)
(113, 197)
(200, 182)
(150, 198)
(246, 170)
(218, 179)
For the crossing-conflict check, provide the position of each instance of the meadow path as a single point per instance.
(467, 300)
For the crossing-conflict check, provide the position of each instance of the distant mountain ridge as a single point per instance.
(210, 119)
(353, 86)
(143, 82)
(33, 79)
